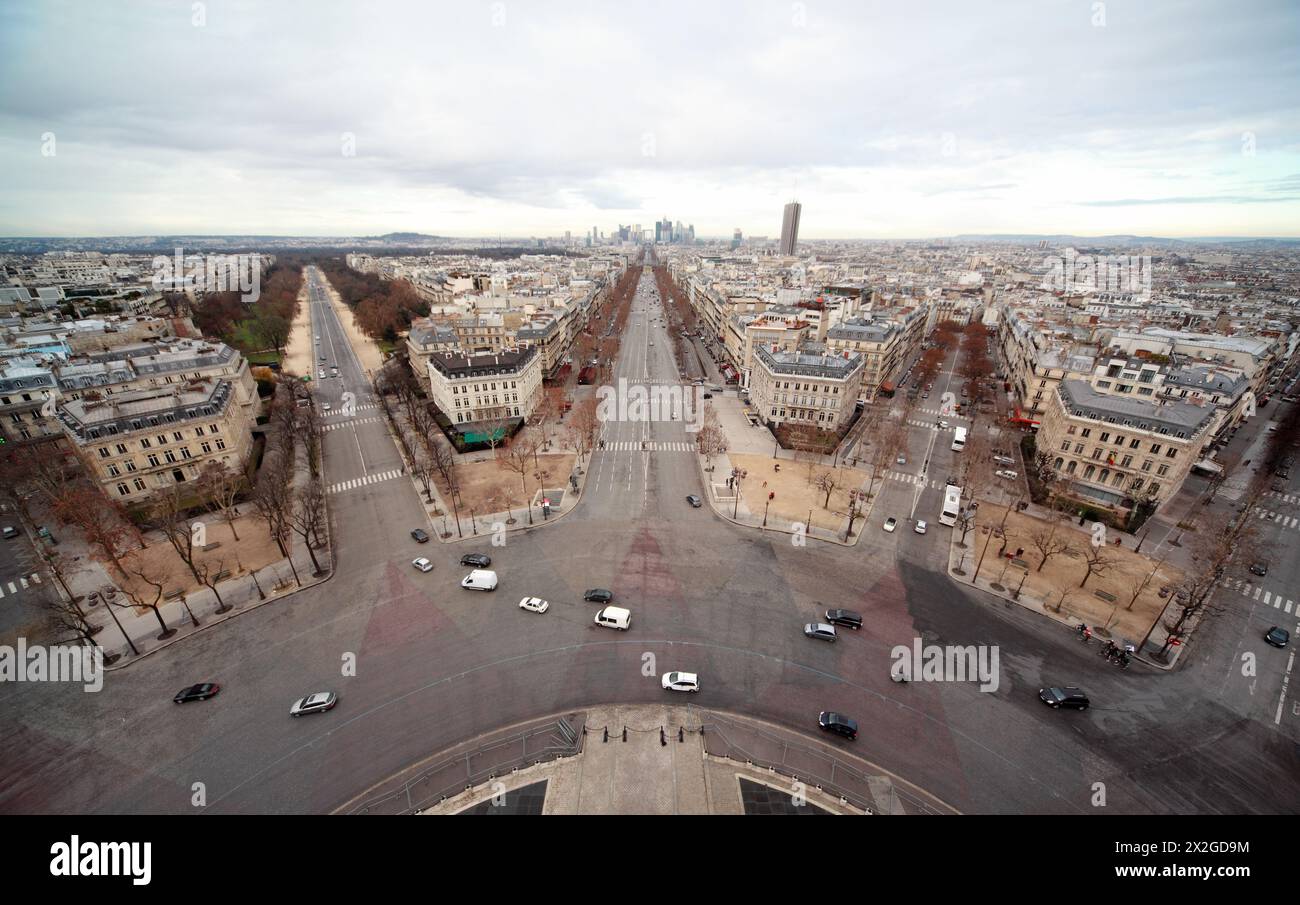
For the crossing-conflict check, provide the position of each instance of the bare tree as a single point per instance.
(827, 481)
(102, 522)
(307, 517)
(517, 457)
(1096, 560)
(584, 426)
(220, 487)
(185, 534)
(148, 600)
(1144, 583)
(1049, 542)
(424, 470)
(710, 439)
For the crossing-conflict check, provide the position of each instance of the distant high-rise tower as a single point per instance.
(790, 227)
(736, 239)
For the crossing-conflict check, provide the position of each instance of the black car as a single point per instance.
(598, 595)
(694, 500)
(1259, 568)
(708, 395)
(846, 618)
(1069, 696)
(477, 560)
(1277, 636)
(838, 723)
(200, 692)
(420, 535)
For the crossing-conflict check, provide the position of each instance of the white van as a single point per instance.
(480, 580)
(614, 617)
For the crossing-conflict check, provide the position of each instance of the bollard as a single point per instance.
(625, 733)
(663, 738)
(606, 739)
(681, 734)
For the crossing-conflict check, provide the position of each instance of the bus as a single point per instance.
(959, 439)
(951, 505)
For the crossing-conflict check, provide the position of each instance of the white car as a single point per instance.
(1006, 473)
(534, 605)
(891, 523)
(325, 407)
(321, 373)
(920, 527)
(943, 425)
(314, 703)
(680, 681)
(422, 564)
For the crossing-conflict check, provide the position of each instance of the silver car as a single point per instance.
(314, 703)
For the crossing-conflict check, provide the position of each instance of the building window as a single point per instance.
(114, 470)
(139, 483)
(221, 444)
(103, 451)
(123, 490)
(153, 460)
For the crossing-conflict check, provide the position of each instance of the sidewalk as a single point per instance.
(564, 498)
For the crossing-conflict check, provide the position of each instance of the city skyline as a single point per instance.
(537, 120)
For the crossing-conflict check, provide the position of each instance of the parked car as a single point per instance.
(1004, 460)
(680, 681)
(838, 723)
(1277, 636)
(694, 500)
(1069, 696)
(314, 703)
(891, 523)
(820, 630)
(598, 595)
(534, 605)
(200, 692)
(422, 564)
(477, 560)
(920, 526)
(1007, 473)
(846, 618)
(420, 535)
(708, 395)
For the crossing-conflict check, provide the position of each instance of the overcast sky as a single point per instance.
(900, 119)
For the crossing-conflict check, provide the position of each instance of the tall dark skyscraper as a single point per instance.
(790, 228)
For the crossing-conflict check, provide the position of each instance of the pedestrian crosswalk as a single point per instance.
(350, 423)
(1291, 498)
(1286, 521)
(1259, 594)
(21, 584)
(340, 413)
(650, 446)
(925, 424)
(356, 483)
(914, 479)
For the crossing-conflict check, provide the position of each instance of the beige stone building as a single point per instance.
(819, 391)
(486, 386)
(139, 443)
(1114, 449)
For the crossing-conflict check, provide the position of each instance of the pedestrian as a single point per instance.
(765, 483)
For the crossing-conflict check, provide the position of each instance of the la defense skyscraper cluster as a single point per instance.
(790, 227)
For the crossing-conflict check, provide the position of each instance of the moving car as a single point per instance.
(614, 617)
(920, 526)
(598, 595)
(320, 373)
(943, 425)
(1069, 696)
(200, 692)
(477, 560)
(314, 703)
(422, 564)
(420, 535)
(891, 523)
(10, 531)
(480, 580)
(534, 605)
(1259, 568)
(838, 723)
(820, 630)
(325, 407)
(901, 460)
(694, 500)
(846, 618)
(1277, 636)
(708, 395)
(680, 681)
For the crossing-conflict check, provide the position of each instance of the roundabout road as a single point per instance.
(436, 665)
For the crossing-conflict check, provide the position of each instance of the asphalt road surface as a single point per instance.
(436, 665)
